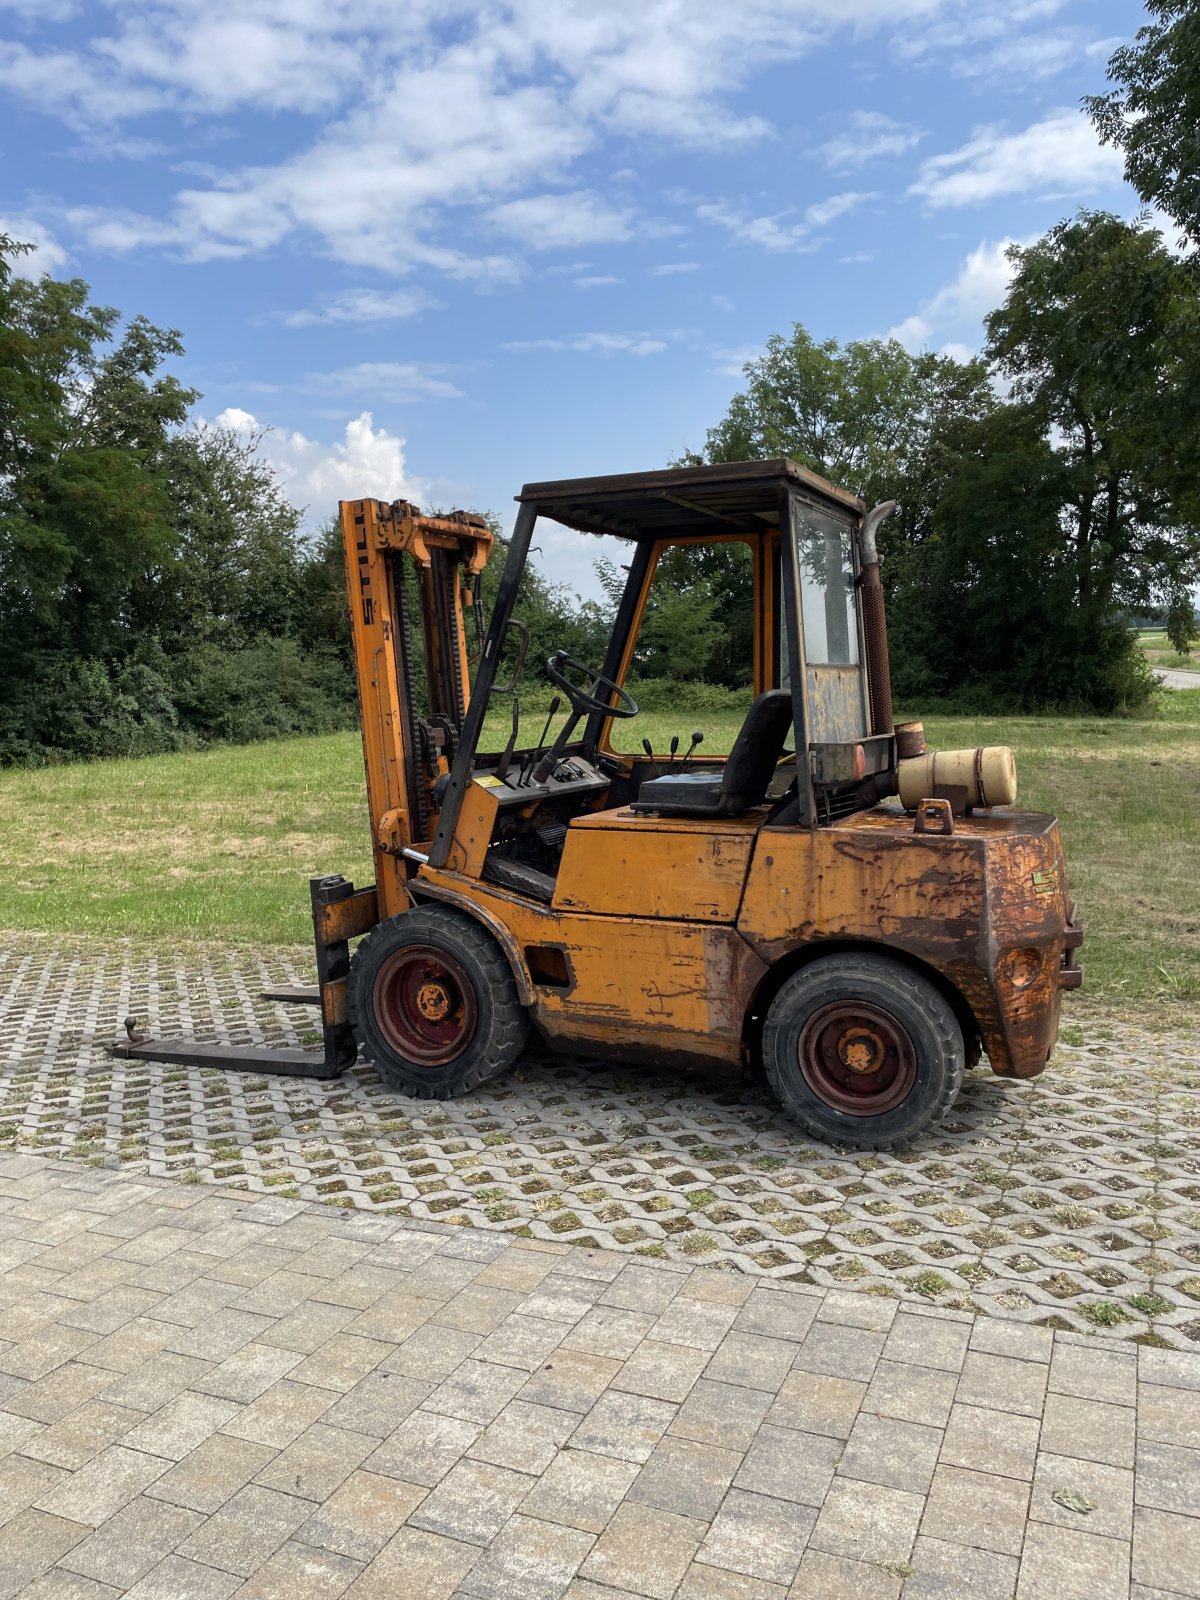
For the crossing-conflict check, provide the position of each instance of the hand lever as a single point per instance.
(650, 753)
(505, 760)
(674, 747)
(554, 705)
(697, 739)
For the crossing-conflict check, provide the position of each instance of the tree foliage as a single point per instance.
(1153, 113)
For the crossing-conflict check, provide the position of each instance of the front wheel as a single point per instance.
(433, 1003)
(862, 1051)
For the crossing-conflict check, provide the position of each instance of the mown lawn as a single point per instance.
(217, 845)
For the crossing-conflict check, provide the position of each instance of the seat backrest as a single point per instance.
(756, 751)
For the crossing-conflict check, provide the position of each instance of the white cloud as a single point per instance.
(605, 344)
(423, 111)
(367, 462)
(824, 212)
(1059, 155)
(773, 233)
(667, 269)
(961, 305)
(868, 136)
(599, 280)
(361, 306)
(396, 382)
(563, 221)
(47, 254)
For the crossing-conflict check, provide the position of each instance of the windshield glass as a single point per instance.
(826, 587)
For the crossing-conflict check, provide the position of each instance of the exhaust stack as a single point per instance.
(879, 676)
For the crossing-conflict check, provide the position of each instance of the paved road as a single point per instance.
(1173, 678)
(1072, 1200)
(208, 1394)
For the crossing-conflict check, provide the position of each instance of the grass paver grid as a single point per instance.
(1072, 1201)
(901, 1451)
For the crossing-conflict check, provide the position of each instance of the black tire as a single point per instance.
(862, 1051)
(433, 1003)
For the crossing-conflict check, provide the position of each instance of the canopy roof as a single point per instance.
(684, 502)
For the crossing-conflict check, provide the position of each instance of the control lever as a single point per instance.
(674, 747)
(505, 761)
(697, 739)
(646, 747)
(554, 705)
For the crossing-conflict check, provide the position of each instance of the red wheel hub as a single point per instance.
(857, 1058)
(425, 1005)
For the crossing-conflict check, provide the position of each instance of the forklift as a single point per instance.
(829, 901)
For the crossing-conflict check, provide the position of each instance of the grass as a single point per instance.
(217, 845)
(1160, 652)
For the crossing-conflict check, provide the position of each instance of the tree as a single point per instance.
(1098, 338)
(1153, 114)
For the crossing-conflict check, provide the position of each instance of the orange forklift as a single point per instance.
(828, 899)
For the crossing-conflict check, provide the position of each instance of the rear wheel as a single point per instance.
(433, 1003)
(862, 1051)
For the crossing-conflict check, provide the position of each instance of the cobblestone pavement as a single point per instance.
(1073, 1201)
(207, 1393)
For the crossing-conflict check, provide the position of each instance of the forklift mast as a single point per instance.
(406, 571)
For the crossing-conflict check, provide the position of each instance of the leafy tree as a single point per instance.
(1098, 338)
(1153, 114)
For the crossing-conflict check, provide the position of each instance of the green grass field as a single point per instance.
(1160, 652)
(217, 845)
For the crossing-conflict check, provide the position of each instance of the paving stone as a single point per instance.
(1064, 1564)
(698, 1324)
(716, 1286)
(299, 1572)
(570, 1380)
(1090, 1373)
(424, 1447)
(978, 1509)
(477, 1391)
(817, 1404)
(852, 1310)
(477, 1309)
(361, 1515)
(218, 1337)
(790, 1465)
(1176, 1369)
(525, 1342)
(377, 1404)
(901, 1455)
(721, 1414)
(580, 1490)
(927, 1342)
(176, 1578)
(777, 1314)
(688, 1478)
(991, 1441)
(826, 1577)
(661, 1371)
(637, 1288)
(559, 1300)
(248, 1373)
(911, 1393)
(1088, 1429)
(528, 1560)
(609, 1331)
(109, 1481)
(1165, 1418)
(317, 1462)
(627, 1426)
(840, 1352)
(472, 1502)
(247, 1530)
(415, 1563)
(52, 1347)
(524, 1437)
(1166, 1551)
(212, 1474)
(149, 1386)
(33, 1541)
(76, 1438)
(59, 1584)
(181, 1425)
(431, 1353)
(867, 1522)
(1168, 1477)
(644, 1550)
(753, 1360)
(51, 1399)
(1002, 1383)
(136, 1342)
(1015, 1339)
(758, 1535)
(944, 1571)
(1107, 1490)
(281, 1414)
(132, 1542)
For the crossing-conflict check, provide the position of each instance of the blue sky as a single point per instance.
(441, 249)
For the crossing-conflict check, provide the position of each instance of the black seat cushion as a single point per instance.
(746, 776)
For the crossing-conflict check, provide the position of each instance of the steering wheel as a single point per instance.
(581, 702)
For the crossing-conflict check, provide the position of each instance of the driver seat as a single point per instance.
(743, 781)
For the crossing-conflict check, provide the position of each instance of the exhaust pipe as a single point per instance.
(879, 677)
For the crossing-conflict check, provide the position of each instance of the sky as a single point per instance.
(442, 249)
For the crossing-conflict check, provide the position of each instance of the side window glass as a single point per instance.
(693, 660)
(826, 589)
